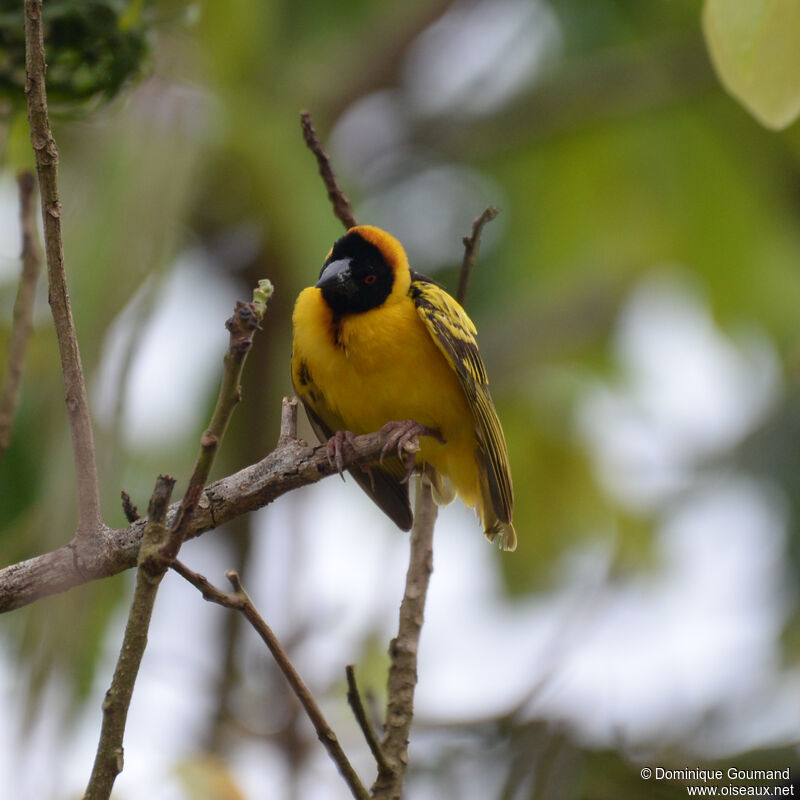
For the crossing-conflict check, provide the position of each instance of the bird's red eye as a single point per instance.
(370, 279)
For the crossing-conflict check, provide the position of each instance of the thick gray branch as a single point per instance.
(292, 464)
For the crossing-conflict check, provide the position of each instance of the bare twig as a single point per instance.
(109, 758)
(240, 601)
(404, 647)
(22, 323)
(360, 713)
(238, 535)
(292, 464)
(471, 248)
(128, 508)
(341, 204)
(44, 147)
(288, 420)
(242, 325)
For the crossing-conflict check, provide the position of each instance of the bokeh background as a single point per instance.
(637, 305)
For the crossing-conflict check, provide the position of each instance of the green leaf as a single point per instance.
(755, 49)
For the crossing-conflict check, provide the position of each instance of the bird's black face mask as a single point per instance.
(355, 277)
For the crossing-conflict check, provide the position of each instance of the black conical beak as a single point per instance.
(335, 276)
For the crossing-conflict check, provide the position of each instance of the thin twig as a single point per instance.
(22, 323)
(360, 713)
(404, 648)
(341, 204)
(108, 761)
(238, 535)
(294, 463)
(471, 248)
(240, 601)
(128, 508)
(288, 420)
(242, 326)
(44, 147)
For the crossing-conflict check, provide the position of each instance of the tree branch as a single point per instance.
(360, 713)
(108, 761)
(240, 601)
(341, 204)
(288, 420)
(44, 147)
(292, 464)
(242, 325)
(404, 647)
(22, 323)
(472, 245)
(160, 546)
(128, 508)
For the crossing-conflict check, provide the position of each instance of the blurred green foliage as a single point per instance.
(93, 49)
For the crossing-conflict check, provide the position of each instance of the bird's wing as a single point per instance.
(384, 483)
(454, 334)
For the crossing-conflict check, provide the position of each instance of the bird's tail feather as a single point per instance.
(493, 525)
(443, 490)
(506, 532)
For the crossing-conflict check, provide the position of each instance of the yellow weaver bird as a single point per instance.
(376, 342)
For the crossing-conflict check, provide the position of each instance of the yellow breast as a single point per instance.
(379, 366)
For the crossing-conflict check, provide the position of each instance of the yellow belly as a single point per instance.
(386, 367)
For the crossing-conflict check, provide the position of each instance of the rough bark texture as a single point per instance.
(403, 650)
(109, 759)
(292, 464)
(90, 523)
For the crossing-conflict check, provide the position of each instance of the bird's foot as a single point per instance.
(338, 444)
(366, 468)
(337, 447)
(403, 438)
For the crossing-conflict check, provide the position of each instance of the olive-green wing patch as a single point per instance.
(454, 334)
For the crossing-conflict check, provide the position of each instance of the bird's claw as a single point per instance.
(403, 438)
(337, 444)
(368, 470)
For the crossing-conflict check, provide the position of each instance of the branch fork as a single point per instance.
(240, 601)
(159, 548)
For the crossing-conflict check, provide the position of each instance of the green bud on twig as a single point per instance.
(261, 294)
